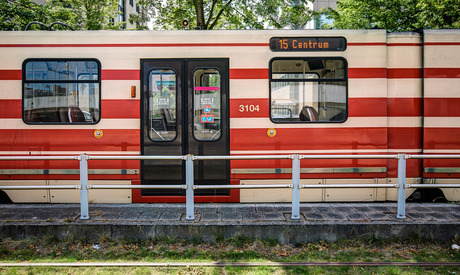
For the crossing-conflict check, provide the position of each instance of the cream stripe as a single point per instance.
(354, 122)
(439, 88)
(15, 123)
(10, 89)
(406, 122)
(351, 151)
(442, 122)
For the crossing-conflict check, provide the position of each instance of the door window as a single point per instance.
(162, 105)
(206, 104)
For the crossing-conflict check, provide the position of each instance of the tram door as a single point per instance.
(184, 111)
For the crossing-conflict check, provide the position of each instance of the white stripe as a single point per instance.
(69, 153)
(351, 151)
(249, 88)
(439, 151)
(406, 122)
(119, 89)
(442, 87)
(442, 122)
(367, 87)
(352, 122)
(10, 89)
(15, 123)
(442, 57)
(404, 88)
(405, 57)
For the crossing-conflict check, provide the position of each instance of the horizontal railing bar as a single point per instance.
(348, 156)
(255, 186)
(309, 170)
(433, 185)
(97, 186)
(38, 187)
(243, 157)
(433, 156)
(136, 157)
(313, 186)
(39, 157)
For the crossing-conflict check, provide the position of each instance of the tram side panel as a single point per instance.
(441, 132)
(404, 114)
(281, 130)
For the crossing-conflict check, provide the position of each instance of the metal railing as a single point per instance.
(189, 186)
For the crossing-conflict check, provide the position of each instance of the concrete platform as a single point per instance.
(319, 221)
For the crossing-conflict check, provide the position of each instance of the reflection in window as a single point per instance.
(60, 91)
(206, 104)
(308, 89)
(162, 105)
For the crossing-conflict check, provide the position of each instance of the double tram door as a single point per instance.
(184, 110)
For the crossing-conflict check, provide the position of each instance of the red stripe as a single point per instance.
(69, 140)
(441, 138)
(404, 138)
(442, 107)
(10, 74)
(405, 73)
(365, 107)
(404, 107)
(442, 72)
(367, 72)
(367, 44)
(249, 107)
(442, 43)
(120, 75)
(10, 108)
(120, 108)
(248, 73)
(309, 139)
(134, 45)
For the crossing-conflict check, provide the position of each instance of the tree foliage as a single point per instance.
(79, 14)
(396, 15)
(231, 14)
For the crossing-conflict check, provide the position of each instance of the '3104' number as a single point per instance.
(249, 108)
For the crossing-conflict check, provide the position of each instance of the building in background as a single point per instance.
(319, 5)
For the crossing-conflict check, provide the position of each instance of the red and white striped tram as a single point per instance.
(228, 93)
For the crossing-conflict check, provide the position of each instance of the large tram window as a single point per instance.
(162, 105)
(61, 91)
(206, 105)
(308, 90)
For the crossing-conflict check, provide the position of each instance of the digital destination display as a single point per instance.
(307, 44)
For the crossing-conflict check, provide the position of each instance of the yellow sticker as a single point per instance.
(98, 133)
(271, 132)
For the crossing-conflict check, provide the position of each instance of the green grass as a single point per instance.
(237, 249)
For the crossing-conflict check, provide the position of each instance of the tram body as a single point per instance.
(271, 92)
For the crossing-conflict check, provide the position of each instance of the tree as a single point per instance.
(231, 14)
(396, 15)
(79, 14)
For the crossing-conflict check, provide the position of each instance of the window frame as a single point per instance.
(318, 81)
(25, 81)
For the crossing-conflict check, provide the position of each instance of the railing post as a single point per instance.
(189, 199)
(295, 188)
(402, 186)
(84, 212)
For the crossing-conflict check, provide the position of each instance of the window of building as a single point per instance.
(121, 9)
(308, 89)
(63, 91)
(131, 3)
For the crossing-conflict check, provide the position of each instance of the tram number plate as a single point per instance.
(249, 108)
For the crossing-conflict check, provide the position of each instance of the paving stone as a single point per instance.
(314, 216)
(150, 216)
(170, 216)
(211, 217)
(265, 208)
(283, 208)
(206, 210)
(230, 216)
(378, 216)
(357, 217)
(253, 216)
(333, 215)
(273, 216)
(128, 214)
(226, 209)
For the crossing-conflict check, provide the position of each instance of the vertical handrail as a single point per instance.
(84, 208)
(295, 187)
(402, 186)
(189, 196)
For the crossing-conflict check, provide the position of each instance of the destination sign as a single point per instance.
(307, 44)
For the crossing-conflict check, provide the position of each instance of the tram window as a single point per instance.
(58, 91)
(308, 90)
(162, 105)
(206, 105)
